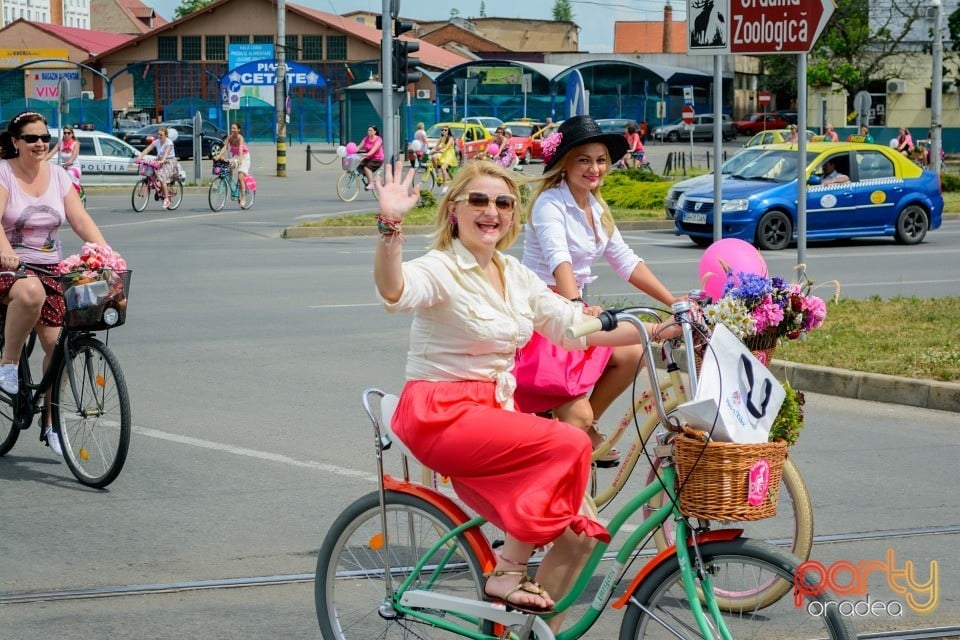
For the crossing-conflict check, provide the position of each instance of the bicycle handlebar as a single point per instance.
(21, 271)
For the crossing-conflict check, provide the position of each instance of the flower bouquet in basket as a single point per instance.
(95, 281)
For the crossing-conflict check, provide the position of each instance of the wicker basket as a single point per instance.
(763, 345)
(719, 485)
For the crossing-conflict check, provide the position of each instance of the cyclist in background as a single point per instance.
(167, 171)
(634, 155)
(444, 155)
(66, 151)
(36, 198)
(236, 147)
(372, 149)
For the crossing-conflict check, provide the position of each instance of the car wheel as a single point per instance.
(673, 136)
(774, 231)
(701, 242)
(215, 149)
(527, 157)
(912, 225)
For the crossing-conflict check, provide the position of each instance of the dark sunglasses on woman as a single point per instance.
(31, 138)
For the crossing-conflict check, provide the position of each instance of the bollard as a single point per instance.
(308, 157)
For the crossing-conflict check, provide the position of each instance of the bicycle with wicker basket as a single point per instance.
(88, 392)
(150, 182)
(408, 561)
(353, 179)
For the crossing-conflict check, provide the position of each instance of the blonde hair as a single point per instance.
(446, 231)
(552, 179)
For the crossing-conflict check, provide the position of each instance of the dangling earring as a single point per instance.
(453, 220)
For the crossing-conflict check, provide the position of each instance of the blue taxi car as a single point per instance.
(886, 195)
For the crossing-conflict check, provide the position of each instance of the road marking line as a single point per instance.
(252, 453)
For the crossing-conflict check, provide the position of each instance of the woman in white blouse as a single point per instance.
(472, 307)
(570, 228)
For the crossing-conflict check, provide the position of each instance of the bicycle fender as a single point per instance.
(709, 536)
(474, 536)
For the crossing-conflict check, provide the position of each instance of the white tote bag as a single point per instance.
(737, 397)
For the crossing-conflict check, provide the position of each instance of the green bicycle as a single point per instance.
(226, 185)
(407, 561)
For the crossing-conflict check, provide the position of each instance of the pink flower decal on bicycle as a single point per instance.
(759, 477)
(549, 146)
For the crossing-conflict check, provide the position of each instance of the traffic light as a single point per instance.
(403, 74)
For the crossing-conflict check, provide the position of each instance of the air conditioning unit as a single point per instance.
(86, 95)
(423, 94)
(896, 86)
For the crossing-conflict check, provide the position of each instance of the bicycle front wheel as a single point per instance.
(92, 412)
(734, 565)
(140, 195)
(792, 527)
(348, 186)
(9, 430)
(175, 191)
(351, 582)
(217, 195)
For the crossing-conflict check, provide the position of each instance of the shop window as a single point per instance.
(239, 39)
(312, 48)
(293, 48)
(190, 47)
(167, 48)
(263, 39)
(336, 47)
(216, 48)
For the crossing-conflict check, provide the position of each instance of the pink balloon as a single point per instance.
(493, 148)
(351, 148)
(729, 255)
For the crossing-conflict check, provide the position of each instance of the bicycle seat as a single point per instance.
(388, 405)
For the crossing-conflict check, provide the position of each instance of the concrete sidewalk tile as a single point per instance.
(817, 379)
(883, 388)
(944, 396)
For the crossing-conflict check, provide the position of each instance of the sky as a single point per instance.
(595, 18)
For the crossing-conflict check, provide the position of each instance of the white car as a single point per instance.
(487, 122)
(103, 158)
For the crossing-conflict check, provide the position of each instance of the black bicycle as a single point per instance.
(89, 400)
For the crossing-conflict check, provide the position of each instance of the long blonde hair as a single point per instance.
(446, 231)
(552, 179)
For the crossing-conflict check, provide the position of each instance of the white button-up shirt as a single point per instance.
(558, 232)
(463, 330)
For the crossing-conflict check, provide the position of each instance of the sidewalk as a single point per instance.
(929, 394)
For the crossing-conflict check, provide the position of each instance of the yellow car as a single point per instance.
(773, 136)
(471, 138)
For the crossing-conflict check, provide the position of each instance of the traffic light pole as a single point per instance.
(390, 8)
(280, 94)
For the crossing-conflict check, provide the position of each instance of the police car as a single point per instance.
(103, 158)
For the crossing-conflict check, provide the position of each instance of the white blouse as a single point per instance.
(463, 330)
(558, 232)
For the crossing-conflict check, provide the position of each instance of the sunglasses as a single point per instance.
(505, 202)
(66, 131)
(31, 138)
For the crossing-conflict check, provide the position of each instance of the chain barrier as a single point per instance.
(311, 156)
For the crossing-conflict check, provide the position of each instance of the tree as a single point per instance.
(189, 6)
(483, 9)
(860, 45)
(563, 11)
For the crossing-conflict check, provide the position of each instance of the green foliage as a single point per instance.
(563, 11)
(790, 419)
(634, 189)
(951, 183)
(189, 6)
(483, 9)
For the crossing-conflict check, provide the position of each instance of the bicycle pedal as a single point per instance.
(607, 464)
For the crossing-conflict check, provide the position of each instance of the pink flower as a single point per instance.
(815, 311)
(549, 146)
(767, 314)
(92, 259)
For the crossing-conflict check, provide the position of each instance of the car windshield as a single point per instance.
(740, 160)
(522, 130)
(434, 131)
(776, 166)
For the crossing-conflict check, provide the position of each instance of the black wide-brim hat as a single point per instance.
(580, 130)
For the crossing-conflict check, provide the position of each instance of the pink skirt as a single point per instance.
(525, 474)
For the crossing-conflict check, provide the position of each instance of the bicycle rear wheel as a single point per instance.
(348, 186)
(350, 587)
(249, 199)
(217, 195)
(734, 565)
(175, 192)
(140, 195)
(9, 430)
(427, 180)
(92, 412)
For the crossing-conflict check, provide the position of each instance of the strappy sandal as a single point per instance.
(610, 458)
(526, 585)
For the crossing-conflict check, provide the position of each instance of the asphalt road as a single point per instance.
(246, 356)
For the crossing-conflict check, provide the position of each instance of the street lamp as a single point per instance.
(936, 88)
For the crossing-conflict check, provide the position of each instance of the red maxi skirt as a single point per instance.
(525, 474)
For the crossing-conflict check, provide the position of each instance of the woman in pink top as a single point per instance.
(66, 152)
(239, 158)
(36, 197)
(372, 149)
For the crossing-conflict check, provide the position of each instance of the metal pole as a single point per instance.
(280, 95)
(936, 93)
(386, 77)
(801, 160)
(717, 147)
